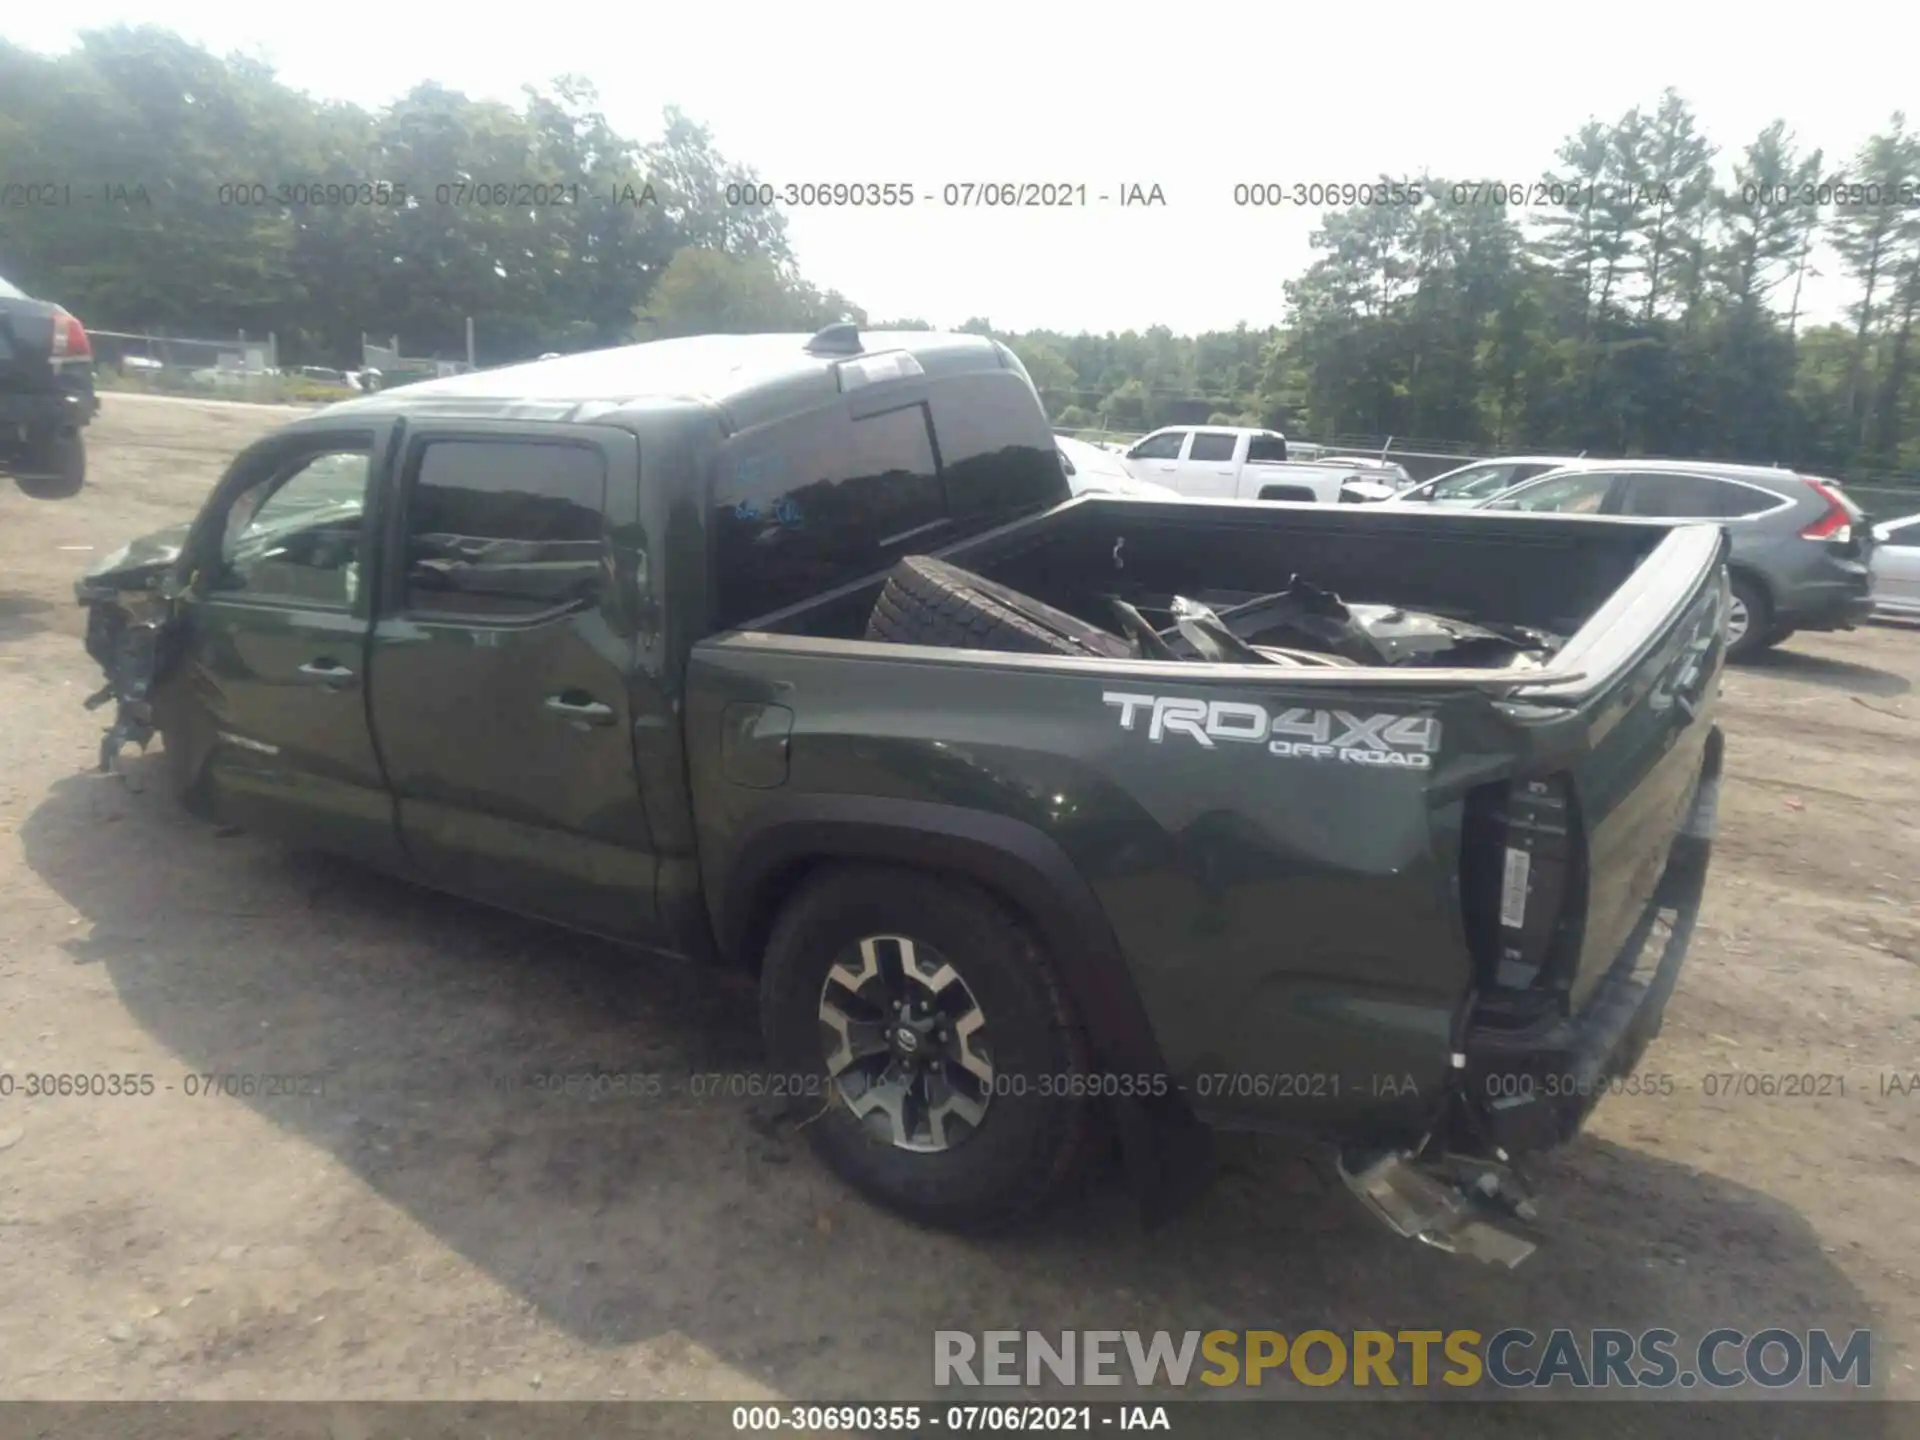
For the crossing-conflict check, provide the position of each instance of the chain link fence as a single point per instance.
(240, 366)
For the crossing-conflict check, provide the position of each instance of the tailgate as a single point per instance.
(1561, 862)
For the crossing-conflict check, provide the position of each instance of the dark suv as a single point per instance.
(1800, 546)
(46, 394)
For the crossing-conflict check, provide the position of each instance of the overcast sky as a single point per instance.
(1193, 98)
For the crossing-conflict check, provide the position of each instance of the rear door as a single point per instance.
(276, 632)
(1211, 465)
(500, 662)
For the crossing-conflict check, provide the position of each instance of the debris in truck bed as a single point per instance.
(1303, 614)
(931, 602)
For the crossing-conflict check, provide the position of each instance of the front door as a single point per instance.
(500, 664)
(276, 628)
(1157, 458)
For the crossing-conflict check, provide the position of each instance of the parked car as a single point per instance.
(327, 375)
(1391, 471)
(46, 395)
(234, 377)
(1895, 566)
(1468, 485)
(1092, 470)
(1236, 463)
(794, 653)
(1381, 479)
(1801, 547)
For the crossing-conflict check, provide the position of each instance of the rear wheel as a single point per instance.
(1750, 627)
(929, 1030)
(53, 468)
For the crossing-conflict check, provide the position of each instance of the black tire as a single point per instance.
(1781, 632)
(54, 468)
(1031, 1140)
(1760, 628)
(929, 602)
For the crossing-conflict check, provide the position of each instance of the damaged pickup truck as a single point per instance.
(1042, 821)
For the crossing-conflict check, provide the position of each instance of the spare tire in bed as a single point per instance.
(929, 602)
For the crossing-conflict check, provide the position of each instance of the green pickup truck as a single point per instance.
(1044, 822)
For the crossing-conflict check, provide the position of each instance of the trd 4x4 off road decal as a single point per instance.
(1409, 741)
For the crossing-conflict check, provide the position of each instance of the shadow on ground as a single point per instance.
(621, 1220)
(1801, 668)
(22, 615)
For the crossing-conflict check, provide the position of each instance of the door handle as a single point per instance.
(327, 672)
(581, 711)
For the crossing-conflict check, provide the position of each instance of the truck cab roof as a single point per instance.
(753, 379)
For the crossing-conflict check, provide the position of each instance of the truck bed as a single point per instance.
(1544, 572)
(1410, 875)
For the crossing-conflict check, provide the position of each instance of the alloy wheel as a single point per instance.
(1737, 620)
(905, 1044)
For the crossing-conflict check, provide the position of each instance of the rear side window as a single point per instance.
(895, 479)
(1671, 496)
(1267, 450)
(820, 500)
(1697, 497)
(1212, 445)
(997, 453)
(1738, 500)
(503, 530)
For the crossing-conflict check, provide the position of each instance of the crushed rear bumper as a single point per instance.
(1520, 1092)
(1532, 1089)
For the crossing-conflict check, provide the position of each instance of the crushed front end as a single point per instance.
(131, 635)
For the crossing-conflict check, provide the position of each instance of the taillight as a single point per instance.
(70, 338)
(1837, 524)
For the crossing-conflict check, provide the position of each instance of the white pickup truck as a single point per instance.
(1220, 462)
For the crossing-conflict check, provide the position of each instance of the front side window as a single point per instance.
(502, 530)
(294, 538)
(1566, 495)
(1474, 484)
(1159, 447)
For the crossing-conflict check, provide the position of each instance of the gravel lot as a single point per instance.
(422, 1231)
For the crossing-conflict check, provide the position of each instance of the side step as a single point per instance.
(1477, 1213)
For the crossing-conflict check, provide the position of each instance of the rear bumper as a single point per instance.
(43, 410)
(1834, 593)
(1532, 1089)
(1839, 612)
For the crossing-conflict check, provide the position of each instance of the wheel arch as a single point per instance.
(1741, 570)
(792, 837)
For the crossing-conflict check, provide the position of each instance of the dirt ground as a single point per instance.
(421, 1231)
